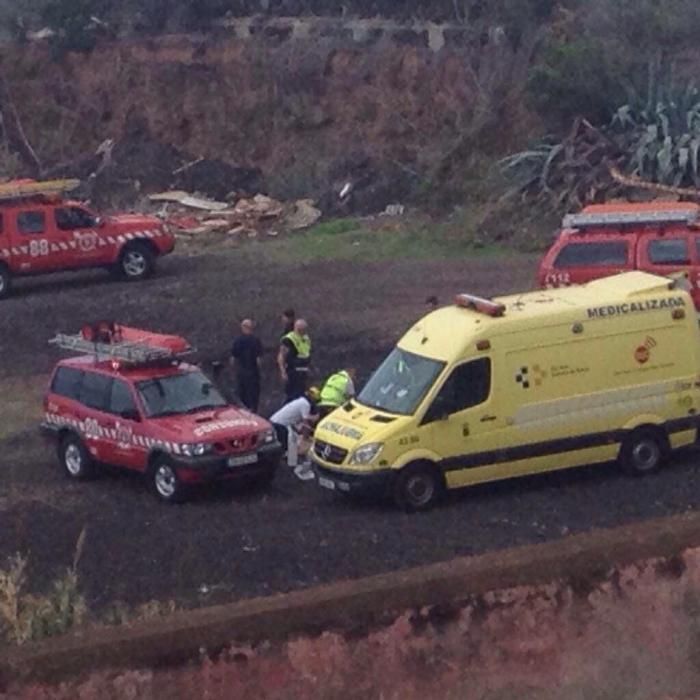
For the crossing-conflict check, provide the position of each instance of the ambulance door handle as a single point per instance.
(488, 419)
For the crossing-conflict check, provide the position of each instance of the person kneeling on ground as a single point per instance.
(291, 422)
(339, 388)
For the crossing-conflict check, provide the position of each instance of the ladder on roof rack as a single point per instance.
(678, 216)
(24, 188)
(133, 352)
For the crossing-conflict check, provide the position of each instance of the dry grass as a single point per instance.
(21, 404)
(27, 617)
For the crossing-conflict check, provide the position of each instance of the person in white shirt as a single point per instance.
(291, 421)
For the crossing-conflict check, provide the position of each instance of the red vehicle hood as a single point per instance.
(134, 222)
(210, 425)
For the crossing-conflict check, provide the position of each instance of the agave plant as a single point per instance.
(663, 139)
(657, 142)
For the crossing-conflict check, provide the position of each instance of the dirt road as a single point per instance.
(227, 545)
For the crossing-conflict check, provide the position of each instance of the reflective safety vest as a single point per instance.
(302, 346)
(334, 392)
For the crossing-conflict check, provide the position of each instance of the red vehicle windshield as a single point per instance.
(177, 394)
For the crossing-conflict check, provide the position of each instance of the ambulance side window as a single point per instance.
(469, 385)
(31, 222)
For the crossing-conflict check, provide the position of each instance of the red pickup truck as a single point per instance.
(41, 232)
(604, 239)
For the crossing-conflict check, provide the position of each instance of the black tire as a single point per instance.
(643, 451)
(76, 461)
(165, 482)
(5, 281)
(418, 487)
(136, 262)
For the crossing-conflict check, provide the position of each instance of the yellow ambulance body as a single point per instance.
(534, 382)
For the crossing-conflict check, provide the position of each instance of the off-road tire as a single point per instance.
(165, 482)
(136, 262)
(76, 461)
(5, 281)
(643, 451)
(418, 487)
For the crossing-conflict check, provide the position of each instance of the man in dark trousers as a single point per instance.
(294, 360)
(246, 352)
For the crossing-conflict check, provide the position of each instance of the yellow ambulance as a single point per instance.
(492, 389)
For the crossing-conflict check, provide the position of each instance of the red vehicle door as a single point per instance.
(94, 396)
(578, 259)
(671, 253)
(76, 226)
(31, 248)
(127, 446)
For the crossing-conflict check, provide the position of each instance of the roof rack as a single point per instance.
(18, 189)
(678, 216)
(126, 345)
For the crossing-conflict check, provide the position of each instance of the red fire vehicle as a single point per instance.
(130, 400)
(605, 239)
(40, 232)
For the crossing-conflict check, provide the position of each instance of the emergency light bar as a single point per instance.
(624, 218)
(18, 189)
(483, 306)
(131, 346)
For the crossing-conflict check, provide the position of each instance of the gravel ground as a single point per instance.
(227, 544)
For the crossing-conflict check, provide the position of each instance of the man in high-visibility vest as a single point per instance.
(294, 360)
(339, 387)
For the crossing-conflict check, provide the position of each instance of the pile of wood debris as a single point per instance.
(191, 216)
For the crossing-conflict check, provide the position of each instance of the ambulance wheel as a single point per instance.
(418, 487)
(5, 281)
(165, 482)
(136, 262)
(644, 451)
(75, 459)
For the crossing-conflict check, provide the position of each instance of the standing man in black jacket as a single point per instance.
(246, 354)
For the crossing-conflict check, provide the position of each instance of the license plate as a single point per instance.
(326, 483)
(242, 460)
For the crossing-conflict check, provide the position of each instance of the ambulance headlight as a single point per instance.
(366, 453)
(196, 449)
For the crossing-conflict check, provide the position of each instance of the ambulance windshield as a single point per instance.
(401, 382)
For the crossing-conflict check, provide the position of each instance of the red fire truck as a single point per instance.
(41, 232)
(605, 239)
(130, 400)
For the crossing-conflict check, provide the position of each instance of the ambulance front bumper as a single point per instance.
(375, 483)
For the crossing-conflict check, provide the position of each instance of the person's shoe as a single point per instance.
(304, 472)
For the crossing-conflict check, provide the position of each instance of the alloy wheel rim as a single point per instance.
(166, 481)
(420, 489)
(645, 455)
(134, 263)
(73, 459)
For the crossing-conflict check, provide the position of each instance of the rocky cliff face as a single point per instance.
(310, 103)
